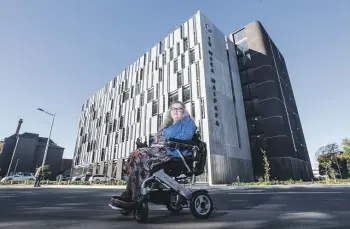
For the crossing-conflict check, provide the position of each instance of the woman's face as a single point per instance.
(176, 112)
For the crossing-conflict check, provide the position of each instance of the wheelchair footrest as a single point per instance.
(115, 207)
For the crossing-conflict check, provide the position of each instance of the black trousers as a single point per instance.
(37, 182)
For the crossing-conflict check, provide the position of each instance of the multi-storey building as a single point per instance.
(195, 64)
(272, 115)
(236, 88)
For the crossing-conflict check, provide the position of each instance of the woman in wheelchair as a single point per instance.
(177, 124)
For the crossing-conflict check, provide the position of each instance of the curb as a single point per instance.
(209, 188)
(67, 186)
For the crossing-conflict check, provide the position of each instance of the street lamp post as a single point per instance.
(48, 139)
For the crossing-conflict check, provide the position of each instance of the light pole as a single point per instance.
(13, 155)
(48, 139)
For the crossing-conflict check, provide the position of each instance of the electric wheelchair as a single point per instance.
(166, 184)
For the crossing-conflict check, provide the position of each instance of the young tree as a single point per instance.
(266, 166)
(46, 172)
(346, 154)
(328, 158)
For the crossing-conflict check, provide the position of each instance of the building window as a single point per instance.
(102, 155)
(193, 109)
(179, 79)
(110, 127)
(242, 48)
(141, 74)
(181, 31)
(192, 56)
(125, 96)
(112, 104)
(202, 108)
(121, 122)
(186, 94)
(160, 47)
(142, 99)
(159, 122)
(150, 95)
(116, 137)
(107, 141)
(173, 97)
(182, 61)
(178, 48)
(123, 135)
(154, 108)
(157, 90)
(93, 157)
(157, 63)
(185, 44)
(176, 67)
(114, 82)
(127, 134)
(107, 117)
(138, 115)
(239, 35)
(171, 54)
(160, 79)
(132, 92)
(137, 89)
(197, 80)
(164, 57)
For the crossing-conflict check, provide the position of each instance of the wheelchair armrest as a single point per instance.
(180, 141)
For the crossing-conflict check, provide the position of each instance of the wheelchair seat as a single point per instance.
(195, 162)
(176, 166)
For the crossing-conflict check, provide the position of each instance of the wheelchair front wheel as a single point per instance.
(141, 212)
(201, 205)
(174, 209)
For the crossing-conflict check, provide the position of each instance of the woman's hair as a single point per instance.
(168, 121)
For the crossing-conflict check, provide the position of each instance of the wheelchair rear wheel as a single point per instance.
(141, 212)
(201, 205)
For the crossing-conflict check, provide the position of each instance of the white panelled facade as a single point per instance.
(132, 105)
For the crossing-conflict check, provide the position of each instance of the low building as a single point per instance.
(66, 166)
(29, 154)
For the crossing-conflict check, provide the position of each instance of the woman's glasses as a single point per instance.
(179, 109)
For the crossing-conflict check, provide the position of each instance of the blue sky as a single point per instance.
(55, 54)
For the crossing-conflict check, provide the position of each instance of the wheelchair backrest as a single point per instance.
(201, 157)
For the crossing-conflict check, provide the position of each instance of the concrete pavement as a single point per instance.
(258, 207)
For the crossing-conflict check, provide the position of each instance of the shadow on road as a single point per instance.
(256, 208)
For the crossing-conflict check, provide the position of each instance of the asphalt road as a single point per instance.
(257, 208)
